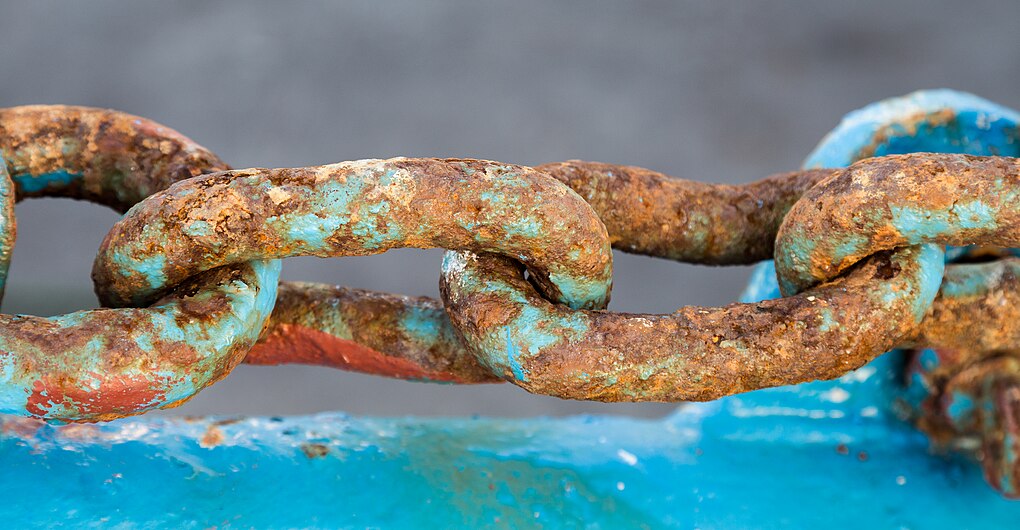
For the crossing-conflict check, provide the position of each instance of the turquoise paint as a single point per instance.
(513, 360)
(797, 252)
(730, 464)
(492, 197)
(933, 266)
(827, 322)
(961, 408)
(335, 200)
(311, 228)
(851, 246)
(967, 281)
(539, 329)
(198, 229)
(423, 325)
(918, 224)
(762, 285)
(371, 217)
(152, 268)
(582, 292)
(528, 227)
(975, 215)
(980, 128)
(53, 180)
(928, 359)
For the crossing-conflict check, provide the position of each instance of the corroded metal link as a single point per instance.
(99, 155)
(650, 213)
(317, 324)
(696, 353)
(365, 331)
(104, 364)
(973, 405)
(359, 208)
(644, 211)
(8, 226)
(897, 200)
(977, 310)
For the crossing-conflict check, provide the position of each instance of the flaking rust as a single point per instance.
(365, 331)
(697, 353)
(109, 363)
(897, 200)
(971, 403)
(644, 212)
(103, 156)
(359, 208)
(647, 212)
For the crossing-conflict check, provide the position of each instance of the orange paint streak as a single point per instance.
(114, 397)
(291, 343)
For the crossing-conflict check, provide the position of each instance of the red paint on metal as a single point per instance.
(303, 345)
(115, 397)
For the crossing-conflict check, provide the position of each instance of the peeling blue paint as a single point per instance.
(29, 183)
(422, 325)
(512, 358)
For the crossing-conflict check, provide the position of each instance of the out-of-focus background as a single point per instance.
(710, 91)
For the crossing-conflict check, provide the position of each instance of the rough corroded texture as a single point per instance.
(644, 212)
(107, 363)
(977, 310)
(696, 353)
(888, 202)
(972, 404)
(650, 213)
(365, 331)
(103, 156)
(8, 225)
(359, 208)
(103, 364)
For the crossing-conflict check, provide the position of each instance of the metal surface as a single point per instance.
(359, 208)
(108, 363)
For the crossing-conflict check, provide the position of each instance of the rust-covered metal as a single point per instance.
(8, 225)
(103, 364)
(359, 208)
(103, 156)
(647, 212)
(644, 212)
(696, 353)
(972, 403)
(365, 331)
(312, 322)
(893, 201)
(977, 310)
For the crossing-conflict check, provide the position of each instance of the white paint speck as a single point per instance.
(901, 480)
(836, 395)
(278, 195)
(620, 486)
(627, 457)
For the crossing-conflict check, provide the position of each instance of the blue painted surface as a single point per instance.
(29, 183)
(823, 454)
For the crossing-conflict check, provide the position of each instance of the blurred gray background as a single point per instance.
(711, 91)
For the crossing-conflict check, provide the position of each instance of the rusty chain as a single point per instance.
(190, 274)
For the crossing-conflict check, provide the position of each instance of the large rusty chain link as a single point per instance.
(189, 276)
